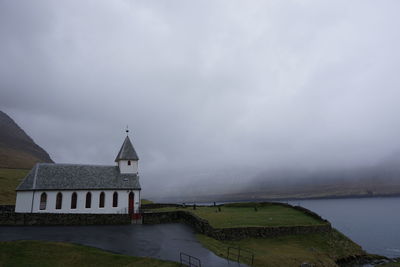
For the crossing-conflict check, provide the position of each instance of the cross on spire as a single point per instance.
(127, 130)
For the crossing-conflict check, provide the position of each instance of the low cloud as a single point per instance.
(214, 90)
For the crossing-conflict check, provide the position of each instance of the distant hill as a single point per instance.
(17, 149)
(381, 179)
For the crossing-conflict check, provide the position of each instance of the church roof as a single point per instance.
(50, 176)
(127, 152)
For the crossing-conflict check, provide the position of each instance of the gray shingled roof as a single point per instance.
(127, 152)
(50, 176)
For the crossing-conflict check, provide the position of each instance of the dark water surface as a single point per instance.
(163, 241)
(373, 223)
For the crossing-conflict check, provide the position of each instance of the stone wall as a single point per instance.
(9, 217)
(262, 232)
(7, 208)
(202, 226)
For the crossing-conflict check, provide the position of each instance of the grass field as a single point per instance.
(292, 250)
(39, 253)
(243, 216)
(9, 180)
(392, 264)
(146, 201)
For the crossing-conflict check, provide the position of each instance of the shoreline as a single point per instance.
(244, 200)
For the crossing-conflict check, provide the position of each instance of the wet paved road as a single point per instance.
(162, 241)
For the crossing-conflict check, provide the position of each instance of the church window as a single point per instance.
(102, 199)
(115, 199)
(88, 203)
(58, 201)
(129, 162)
(74, 200)
(43, 201)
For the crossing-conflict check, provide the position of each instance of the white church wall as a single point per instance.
(23, 202)
(24, 205)
(125, 168)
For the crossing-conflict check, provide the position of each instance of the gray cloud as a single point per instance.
(211, 90)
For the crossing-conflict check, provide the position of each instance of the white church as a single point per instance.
(76, 188)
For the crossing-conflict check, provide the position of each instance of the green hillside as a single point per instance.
(9, 180)
(322, 249)
(16, 159)
(17, 149)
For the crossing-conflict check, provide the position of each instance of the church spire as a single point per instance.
(127, 152)
(127, 159)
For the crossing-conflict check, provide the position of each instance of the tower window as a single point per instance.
(129, 162)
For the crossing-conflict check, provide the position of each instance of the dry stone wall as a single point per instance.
(202, 226)
(9, 217)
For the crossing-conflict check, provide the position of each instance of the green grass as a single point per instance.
(244, 216)
(146, 201)
(9, 180)
(291, 250)
(391, 264)
(39, 253)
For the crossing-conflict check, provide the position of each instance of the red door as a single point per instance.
(131, 203)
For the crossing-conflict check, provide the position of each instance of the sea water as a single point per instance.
(373, 223)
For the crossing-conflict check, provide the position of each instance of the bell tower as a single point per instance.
(127, 159)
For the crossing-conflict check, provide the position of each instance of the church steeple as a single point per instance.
(127, 152)
(127, 157)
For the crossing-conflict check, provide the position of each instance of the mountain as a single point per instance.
(17, 149)
(380, 179)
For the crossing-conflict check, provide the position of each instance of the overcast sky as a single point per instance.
(209, 89)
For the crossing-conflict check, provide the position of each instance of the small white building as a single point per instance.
(76, 188)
